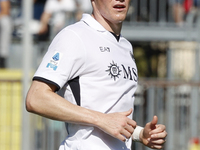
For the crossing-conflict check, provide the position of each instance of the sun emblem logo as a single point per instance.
(113, 70)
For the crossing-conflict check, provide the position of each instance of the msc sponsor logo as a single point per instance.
(113, 70)
(128, 72)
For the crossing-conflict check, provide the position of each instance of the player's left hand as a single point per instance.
(153, 135)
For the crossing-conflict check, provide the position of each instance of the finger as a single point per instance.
(159, 135)
(132, 123)
(129, 128)
(153, 123)
(121, 138)
(158, 141)
(157, 130)
(157, 147)
(161, 126)
(126, 133)
(127, 113)
(156, 144)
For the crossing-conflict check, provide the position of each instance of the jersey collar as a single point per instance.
(88, 19)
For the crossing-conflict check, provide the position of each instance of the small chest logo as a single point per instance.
(114, 70)
(104, 49)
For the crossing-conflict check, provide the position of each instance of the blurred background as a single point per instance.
(165, 35)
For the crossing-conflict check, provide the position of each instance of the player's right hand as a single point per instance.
(154, 134)
(118, 124)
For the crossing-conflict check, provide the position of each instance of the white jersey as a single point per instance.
(97, 72)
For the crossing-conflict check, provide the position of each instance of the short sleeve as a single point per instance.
(64, 59)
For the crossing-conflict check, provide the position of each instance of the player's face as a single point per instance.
(113, 11)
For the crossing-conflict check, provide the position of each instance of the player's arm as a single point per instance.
(42, 100)
(152, 135)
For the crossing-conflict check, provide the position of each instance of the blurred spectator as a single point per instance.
(188, 4)
(177, 11)
(84, 6)
(197, 3)
(38, 8)
(5, 31)
(59, 12)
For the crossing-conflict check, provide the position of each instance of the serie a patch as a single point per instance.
(54, 61)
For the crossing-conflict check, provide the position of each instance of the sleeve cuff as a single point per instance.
(46, 81)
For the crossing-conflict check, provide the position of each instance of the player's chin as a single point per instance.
(119, 20)
(120, 17)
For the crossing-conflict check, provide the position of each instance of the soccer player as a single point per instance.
(94, 65)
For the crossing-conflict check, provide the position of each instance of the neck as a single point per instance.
(108, 25)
